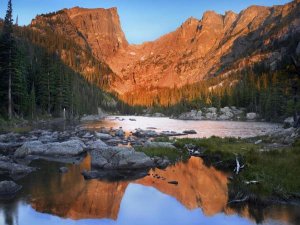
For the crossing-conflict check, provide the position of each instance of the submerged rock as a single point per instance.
(9, 189)
(67, 148)
(190, 132)
(63, 170)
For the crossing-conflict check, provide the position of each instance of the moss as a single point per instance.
(277, 170)
(172, 154)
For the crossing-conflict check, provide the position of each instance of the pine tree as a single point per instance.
(7, 56)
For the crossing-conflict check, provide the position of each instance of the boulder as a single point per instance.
(8, 147)
(120, 133)
(96, 144)
(192, 115)
(158, 115)
(150, 144)
(103, 136)
(289, 121)
(9, 189)
(119, 158)
(212, 110)
(8, 167)
(67, 148)
(145, 133)
(190, 132)
(251, 116)
(211, 116)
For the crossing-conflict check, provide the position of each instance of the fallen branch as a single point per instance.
(251, 182)
(238, 166)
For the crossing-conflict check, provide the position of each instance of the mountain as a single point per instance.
(216, 45)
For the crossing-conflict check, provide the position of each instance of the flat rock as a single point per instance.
(67, 148)
(120, 158)
(190, 132)
(103, 136)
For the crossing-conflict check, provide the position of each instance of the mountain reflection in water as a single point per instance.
(200, 198)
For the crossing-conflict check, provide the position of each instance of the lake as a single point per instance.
(203, 128)
(201, 196)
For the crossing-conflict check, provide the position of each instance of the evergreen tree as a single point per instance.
(7, 56)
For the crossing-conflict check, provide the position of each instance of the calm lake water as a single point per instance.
(50, 198)
(200, 198)
(203, 128)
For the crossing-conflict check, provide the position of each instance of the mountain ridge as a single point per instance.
(195, 51)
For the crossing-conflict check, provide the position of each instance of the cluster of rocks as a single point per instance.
(112, 151)
(152, 133)
(226, 113)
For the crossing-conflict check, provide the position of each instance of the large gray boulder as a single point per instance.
(96, 144)
(119, 158)
(9, 189)
(37, 148)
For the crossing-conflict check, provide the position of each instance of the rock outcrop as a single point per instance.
(111, 158)
(37, 148)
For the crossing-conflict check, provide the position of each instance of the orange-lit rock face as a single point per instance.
(199, 186)
(195, 51)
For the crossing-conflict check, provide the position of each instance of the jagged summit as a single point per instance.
(195, 51)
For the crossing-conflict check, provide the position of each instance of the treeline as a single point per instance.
(270, 94)
(34, 80)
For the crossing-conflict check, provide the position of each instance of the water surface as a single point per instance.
(203, 128)
(50, 198)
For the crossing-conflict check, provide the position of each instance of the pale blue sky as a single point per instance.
(142, 20)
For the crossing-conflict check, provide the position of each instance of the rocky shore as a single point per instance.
(114, 153)
(226, 113)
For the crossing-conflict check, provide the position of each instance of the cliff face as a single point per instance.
(98, 30)
(197, 50)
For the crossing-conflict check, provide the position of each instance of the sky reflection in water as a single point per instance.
(140, 205)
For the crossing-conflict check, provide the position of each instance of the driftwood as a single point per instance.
(251, 182)
(238, 165)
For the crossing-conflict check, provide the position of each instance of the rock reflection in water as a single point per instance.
(199, 198)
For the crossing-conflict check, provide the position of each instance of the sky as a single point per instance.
(141, 20)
